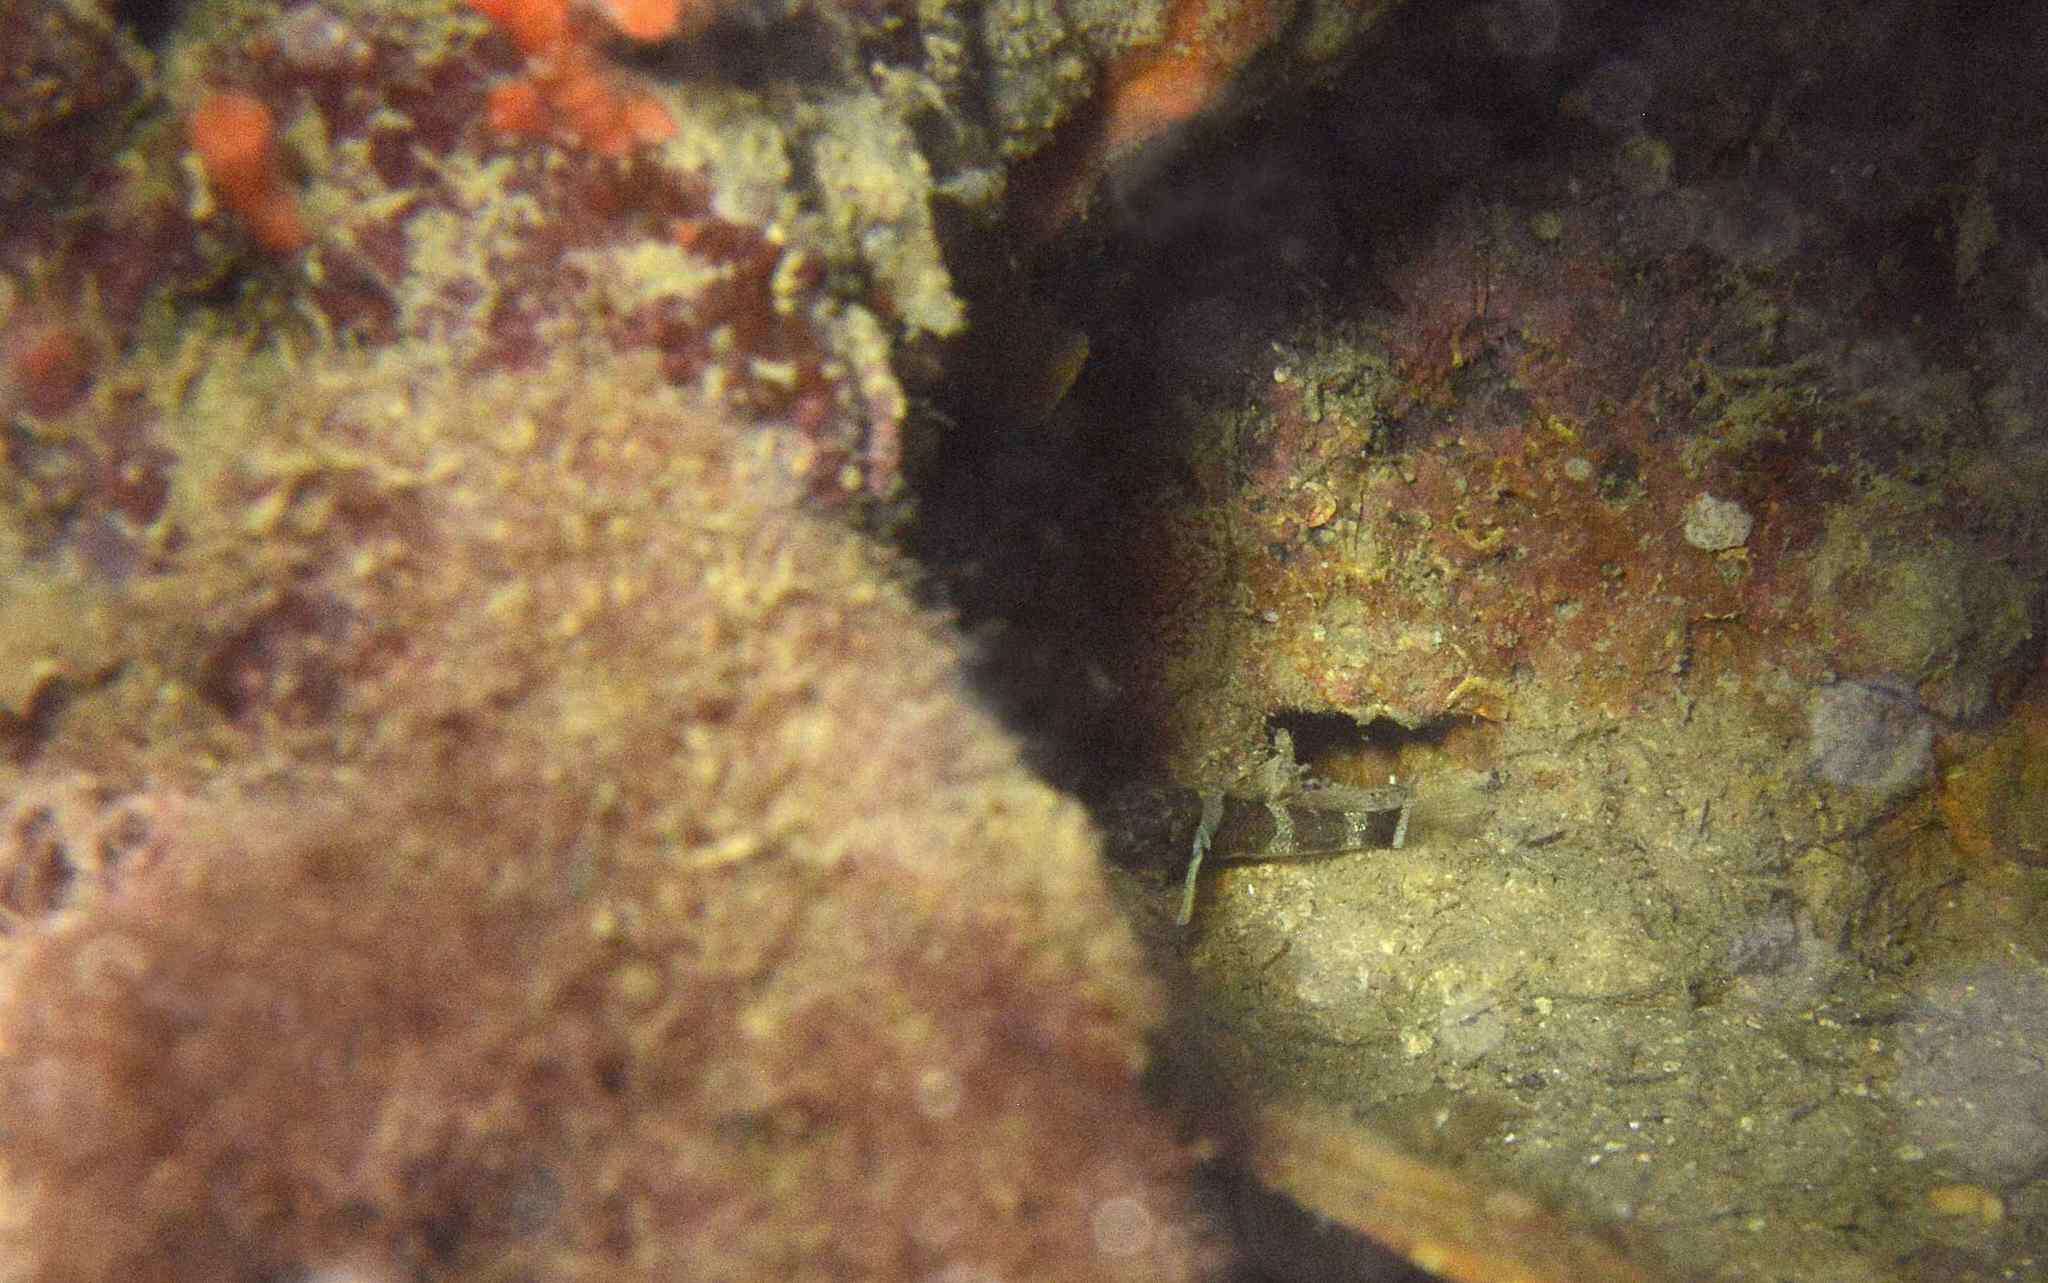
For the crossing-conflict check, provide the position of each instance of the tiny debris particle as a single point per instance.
(1716, 525)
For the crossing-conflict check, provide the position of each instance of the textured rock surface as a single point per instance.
(582, 863)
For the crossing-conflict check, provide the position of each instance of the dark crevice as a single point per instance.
(149, 20)
(1038, 523)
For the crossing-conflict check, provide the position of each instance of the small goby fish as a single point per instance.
(1221, 827)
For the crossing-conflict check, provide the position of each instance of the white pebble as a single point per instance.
(1715, 525)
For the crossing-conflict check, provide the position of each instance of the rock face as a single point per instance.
(458, 819)
(557, 858)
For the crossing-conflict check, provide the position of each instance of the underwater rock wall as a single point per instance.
(520, 842)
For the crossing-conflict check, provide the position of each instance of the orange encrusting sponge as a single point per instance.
(1151, 90)
(235, 136)
(651, 20)
(543, 26)
(568, 90)
(572, 95)
(1146, 92)
(536, 26)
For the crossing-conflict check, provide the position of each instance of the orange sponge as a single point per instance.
(544, 26)
(1146, 92)
(1151, 90)
(536, 26)
(650, 20)
(235, 136)
(568, 90)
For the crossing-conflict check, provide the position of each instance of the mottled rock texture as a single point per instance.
(521, 844)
